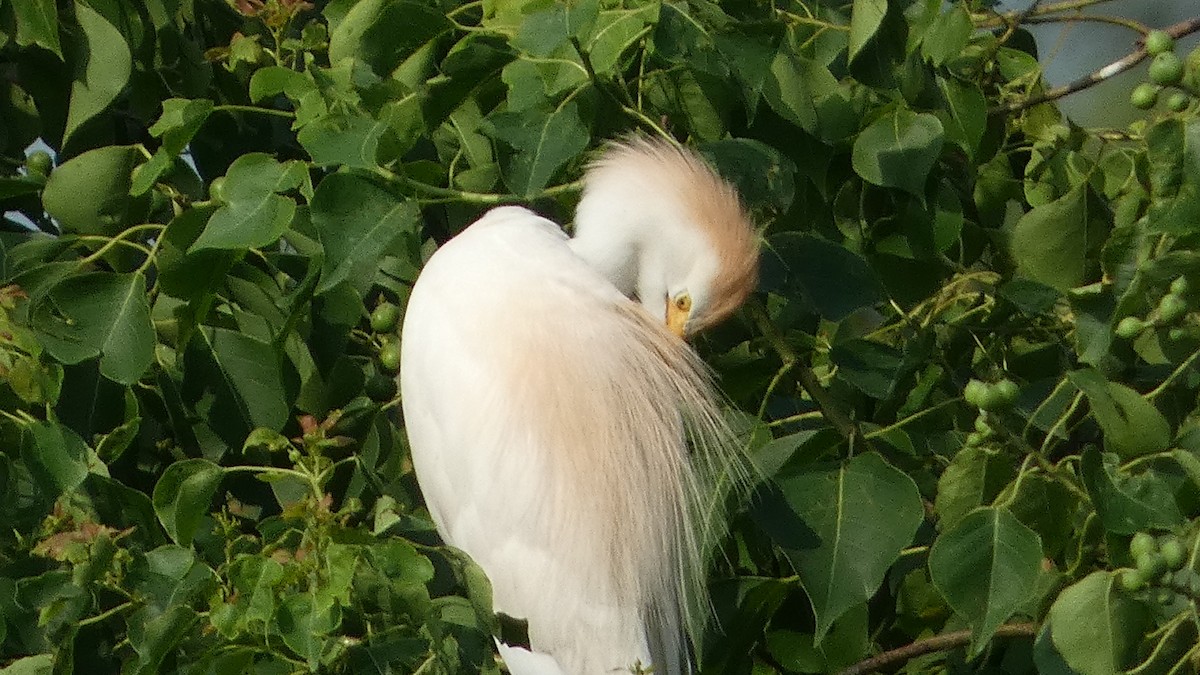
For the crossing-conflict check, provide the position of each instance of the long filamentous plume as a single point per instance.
(627, 482)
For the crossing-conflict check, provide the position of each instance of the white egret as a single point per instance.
(550, 408)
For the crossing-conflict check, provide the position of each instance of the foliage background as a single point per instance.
(201, 468)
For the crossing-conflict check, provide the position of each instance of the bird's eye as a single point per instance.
(683, 302)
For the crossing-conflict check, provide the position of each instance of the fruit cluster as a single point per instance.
(1161, 562)
(1169, 312)
(990, 398)
(1167, 71)
(384, 319)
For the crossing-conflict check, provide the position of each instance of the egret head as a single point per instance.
(666, 229)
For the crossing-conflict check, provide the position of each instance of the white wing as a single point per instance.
(544, 413)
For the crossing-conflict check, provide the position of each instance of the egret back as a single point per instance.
(549, 419)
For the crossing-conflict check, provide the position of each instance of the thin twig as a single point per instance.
(808, 379)
(939, 643)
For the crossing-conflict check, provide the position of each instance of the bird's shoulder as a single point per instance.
(512, 250)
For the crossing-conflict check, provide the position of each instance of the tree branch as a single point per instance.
(1113, 69)
(937, 643)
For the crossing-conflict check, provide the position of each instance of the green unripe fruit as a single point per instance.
(1151, 565)
(1130, 327)
(1142, 544)
(1166, 69)
(380, 388)
(1131, 580)
(217, 191)
(1173, 553)
(1158, 42)
(1006, 393)
(384, 318)
(39, 163)
(1144, 96)
(1179, 286)
(389, 356)
(1171, 308)
(1179, 102)
(975, 392)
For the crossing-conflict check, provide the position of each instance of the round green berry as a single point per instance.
(1131, 580)
(39, 163)
(1151, 565)
(1130, 327)
(1171, 308)
(1178, 102)
(1173, 553)
(389, 356)
(384, 318)
(1144, 96)
(1158, 42)
(976, 392)
(1142, 544)
(1166, 69)
(1179, 286)
(1006, 393)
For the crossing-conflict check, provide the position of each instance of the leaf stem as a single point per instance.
(118, 239)
(106, 614)
(1187, 363)
(911, 418)
(233, 107)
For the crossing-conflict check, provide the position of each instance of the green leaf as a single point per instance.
(305, 624)
(275, 80)
(1095, 628)
(182, 495)
(842, 528)
(972, 479)
(181, 118)
(244, 378)
(965, 115)
(947, 35)
(382, 33)
(156, 634)
(543, 143)
(544, 31)
(865, 19)
(42, 664)
(355, 141)
(1173, 150)
(89, 194)
(100, 314)
(1055, 243)
(1128, 504)
(986, 567)
(57, 458)
(834, 279)
(616, 31)
(356, 221)
(257, 214)
(870, 367)
(37, 24)
(102, 66)
(1132, 425)
(898, 150)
